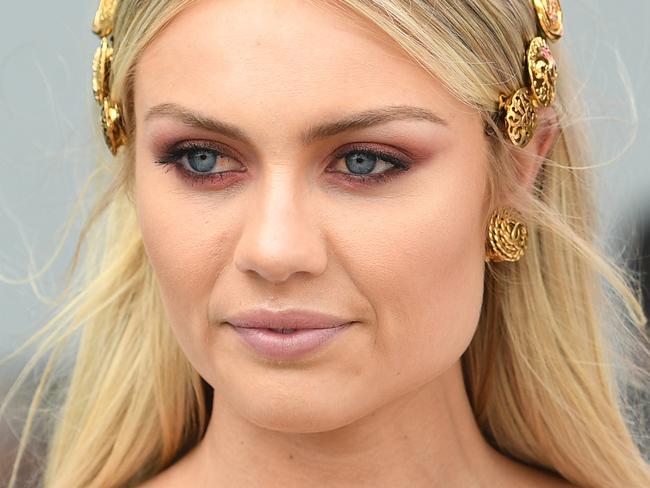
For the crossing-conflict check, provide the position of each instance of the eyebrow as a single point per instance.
(357, 120)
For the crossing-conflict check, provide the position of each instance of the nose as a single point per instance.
(281, 236)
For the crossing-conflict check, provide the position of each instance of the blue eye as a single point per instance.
(197, 160)
(202, 160)
(363, 161)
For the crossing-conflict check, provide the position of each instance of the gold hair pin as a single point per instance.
(111, 118)
(520, 109)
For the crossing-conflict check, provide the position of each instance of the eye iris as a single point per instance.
(361, 161)
(201, 160)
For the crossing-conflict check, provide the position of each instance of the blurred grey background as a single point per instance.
(49, 135)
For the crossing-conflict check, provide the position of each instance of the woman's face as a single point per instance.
(276, 223)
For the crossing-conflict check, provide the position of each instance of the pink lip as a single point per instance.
(313, 330)
(287, 319)
(287, 346)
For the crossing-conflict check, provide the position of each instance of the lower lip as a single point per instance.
(288, 346)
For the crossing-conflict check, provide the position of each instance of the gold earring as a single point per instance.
(507, 236)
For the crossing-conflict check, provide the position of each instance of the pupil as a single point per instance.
(360, 162)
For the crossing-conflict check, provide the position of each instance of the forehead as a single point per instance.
(279, 55)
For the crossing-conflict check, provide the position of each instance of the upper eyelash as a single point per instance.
(175, 154)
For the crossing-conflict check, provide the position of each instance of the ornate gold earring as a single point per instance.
(507, 236)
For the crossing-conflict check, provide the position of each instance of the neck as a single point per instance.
(426, 438)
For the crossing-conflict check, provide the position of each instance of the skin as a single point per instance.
(384, 405)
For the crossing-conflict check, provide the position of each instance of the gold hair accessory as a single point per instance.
(507, 236)
(519, 110)
(111, 118)
(549, 13)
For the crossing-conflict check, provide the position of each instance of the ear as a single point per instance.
(532, 156)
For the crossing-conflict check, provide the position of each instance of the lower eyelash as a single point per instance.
(373, 179)
(199, 178)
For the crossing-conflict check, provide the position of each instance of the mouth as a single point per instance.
(288, 343)
(283, 331)
(285, 321)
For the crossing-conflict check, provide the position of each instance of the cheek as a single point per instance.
(185, 245)
(421, 263)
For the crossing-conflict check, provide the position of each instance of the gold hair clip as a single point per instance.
(520, 109)
(549, 14)
(111, 119)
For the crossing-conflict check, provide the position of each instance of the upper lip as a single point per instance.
(288, 319)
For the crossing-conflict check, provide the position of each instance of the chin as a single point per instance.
(299, 414)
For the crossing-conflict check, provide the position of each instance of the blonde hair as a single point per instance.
(543, 379)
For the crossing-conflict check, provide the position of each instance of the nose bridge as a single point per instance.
(280, 234)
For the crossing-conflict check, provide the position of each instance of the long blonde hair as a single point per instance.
(546, 371)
